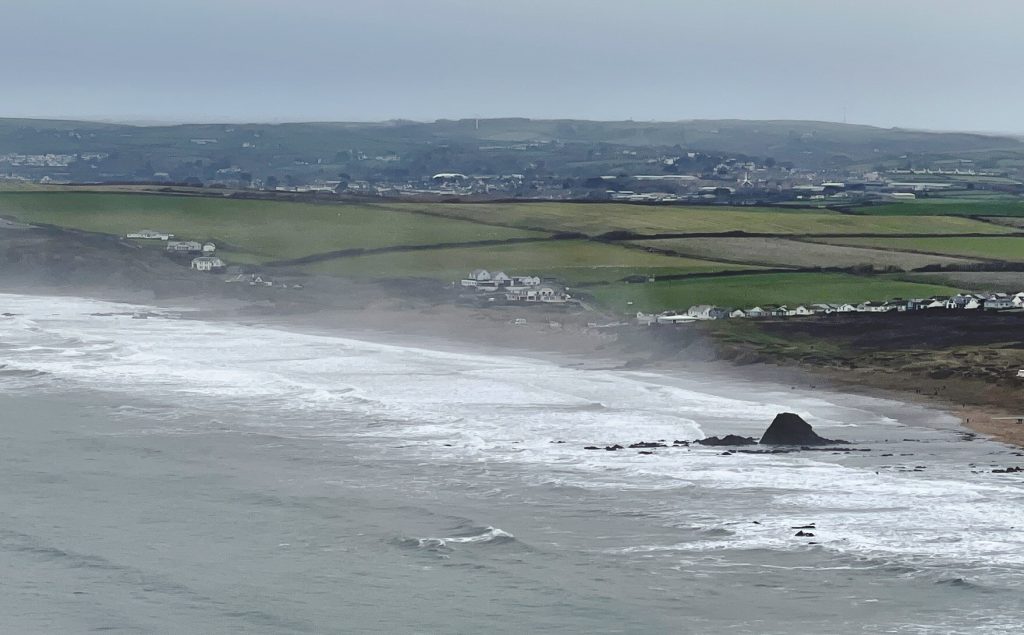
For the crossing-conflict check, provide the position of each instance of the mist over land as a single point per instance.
(520, 316)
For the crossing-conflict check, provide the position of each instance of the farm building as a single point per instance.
(998, 304)
(539, 294)
(184, 246)
(707, 312)
(207, 263)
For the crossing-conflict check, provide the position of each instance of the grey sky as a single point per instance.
(939, 64)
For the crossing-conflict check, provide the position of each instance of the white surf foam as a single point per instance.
(459, 407)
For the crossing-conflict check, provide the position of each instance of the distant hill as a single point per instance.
(413, 148)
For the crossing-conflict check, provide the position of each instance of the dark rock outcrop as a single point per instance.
(790, 429)
(729, 439)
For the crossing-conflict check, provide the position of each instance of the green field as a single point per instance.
(571, 261)
(996, 248)
(250, 230)
(747, 291)
(598, 218)
(783, 252)
(948, 207)
(262, 231)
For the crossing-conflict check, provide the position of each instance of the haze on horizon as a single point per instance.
(932, 64)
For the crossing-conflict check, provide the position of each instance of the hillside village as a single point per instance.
(201, 253)
(958, 302)
(200, 257)
(695, 162)
(500, 287)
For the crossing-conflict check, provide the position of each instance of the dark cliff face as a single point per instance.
(790, 429)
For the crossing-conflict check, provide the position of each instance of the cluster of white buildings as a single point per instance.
(149, 234)
(959, 302)
(204, 260)
(525, 289)
(39, 160)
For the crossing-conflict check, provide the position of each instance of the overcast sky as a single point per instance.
(940, 64)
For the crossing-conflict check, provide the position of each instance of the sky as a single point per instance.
(931, 64)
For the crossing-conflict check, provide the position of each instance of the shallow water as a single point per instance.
(169, 475)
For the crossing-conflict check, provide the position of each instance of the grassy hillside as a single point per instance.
(598, 218)
(996, 248)
(265, 231)
(574, 262)
(259, 230)
(948, 207)
(782, 252)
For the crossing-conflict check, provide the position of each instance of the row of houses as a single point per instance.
(190, 247)
(149, 234)
(483, 280)
(515, 289)
(962, 301)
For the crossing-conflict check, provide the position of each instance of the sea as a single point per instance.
(175, 475)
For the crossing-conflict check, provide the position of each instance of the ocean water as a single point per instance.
(174, 475)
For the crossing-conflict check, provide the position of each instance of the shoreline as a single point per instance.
(415, 312)
(460, 330)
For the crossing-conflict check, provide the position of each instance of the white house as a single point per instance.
(185, 246)
(149, 234)
(207, 263)
(476, 277)
(701, 311)
(525, 281)
(802, 311)
(998, 304)
(846, 308)
(958, 301)
(540, 294)
(501, 278)
(870, 307)
(209, 248)
(738, 313)
(1018, 300)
